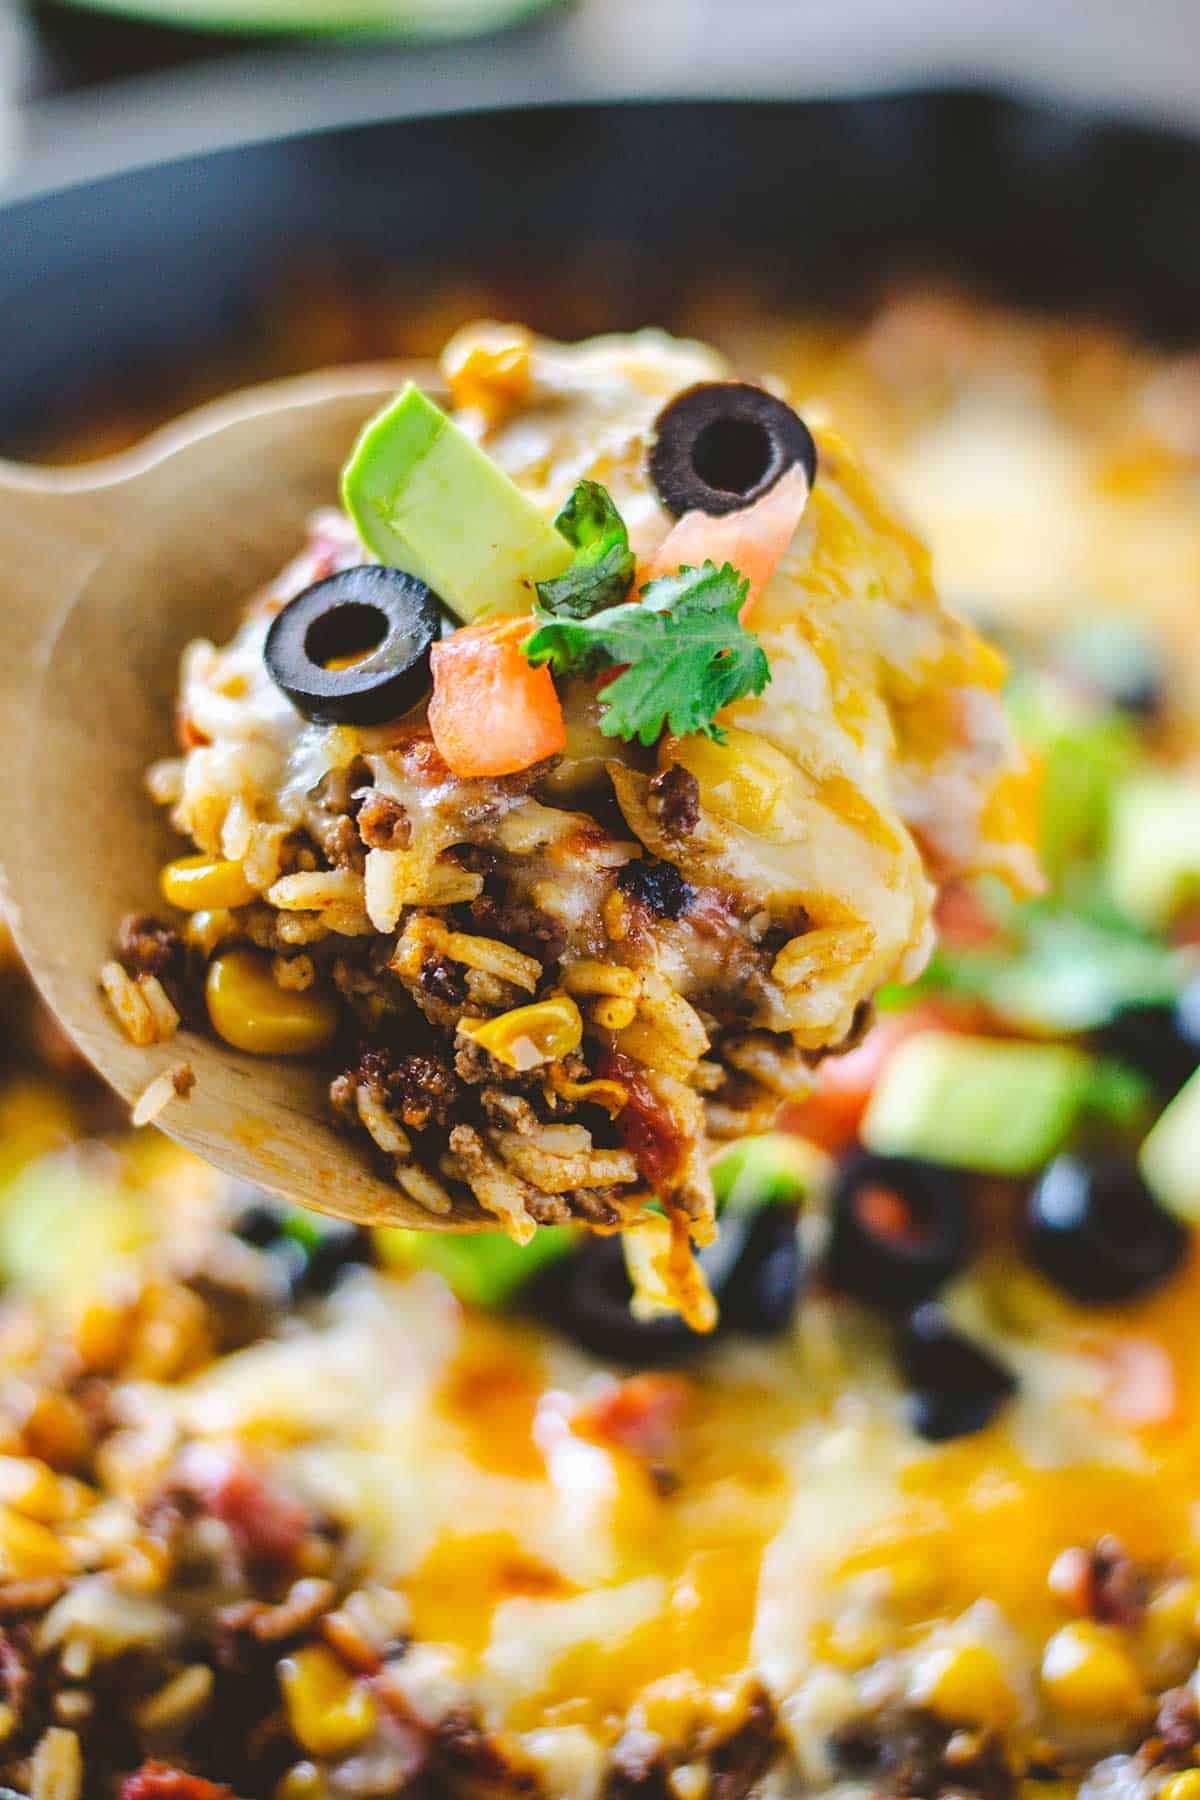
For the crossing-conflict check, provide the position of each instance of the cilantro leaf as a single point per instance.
(604, 564)
(682, 650)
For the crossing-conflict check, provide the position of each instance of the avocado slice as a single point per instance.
(995, 1105)
(485, 1269)
(1154, 847)
(428, 500)
(773, 1169)
(1169, 1159)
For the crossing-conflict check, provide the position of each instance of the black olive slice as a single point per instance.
(753, 1268)
(958, 1387)
(900, 1228)
(354, 649)
(1162, 1040)
(1097, 1232)
(722, 445)
(763, 1288)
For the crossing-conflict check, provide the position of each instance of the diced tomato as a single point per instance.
(963, 921)
(159, 1781)
(641, 1415)
(491, 713)
(1142, 1390)
(753, 540)
(647, 1130)
(267, 1526)
(832, 1114)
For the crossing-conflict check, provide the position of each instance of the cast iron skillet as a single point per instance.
(116, 281)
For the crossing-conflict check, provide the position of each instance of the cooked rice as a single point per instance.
(141, 1004)
(179, 1701)
(175, 1083)
(57, 1769)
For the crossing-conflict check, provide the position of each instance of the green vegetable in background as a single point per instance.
(1153, 860)
(682, 651)
(1168, 1157)
(1059, 969)
(485, 1269)
(604, 565)
(66, 1221)
(1085, 752)
(775, 1169)
(994, 1104)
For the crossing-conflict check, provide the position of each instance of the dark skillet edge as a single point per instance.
(973, 180)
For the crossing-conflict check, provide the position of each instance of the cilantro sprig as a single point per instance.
(602, 572)
(682, 650)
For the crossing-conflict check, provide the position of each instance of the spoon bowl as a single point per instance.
(106, 573)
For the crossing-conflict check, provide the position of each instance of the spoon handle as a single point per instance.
(51, 539)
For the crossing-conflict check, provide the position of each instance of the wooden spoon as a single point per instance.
(106, 572)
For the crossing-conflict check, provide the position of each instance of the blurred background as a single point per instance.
(87, 86)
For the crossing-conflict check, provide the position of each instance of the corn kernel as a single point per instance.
(1169, 1631)
(56, 1429)
(610, 1013)
(608, 1094)
(328, 1710)
(303, 1781)
(529, 1035)
(745, 779)
(33, 1489)
(487, 368)
(1184, 1786)
(27, 1549)
(964, 1684)
(613, 912)
(588, 976)
(205, 884)
(1088, 1674)
(102, 1333)
(171, 1335)
(251, 1012)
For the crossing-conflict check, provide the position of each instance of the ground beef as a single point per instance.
(16, 1671)
(908, 1753)
(342, 843)
(464, 1755)
(477, 858)
(675, 801)
(1116, 1586)
(383, 823)
(236, 1312)
(1177, 1727)
(738, 1763)
(419, 1088)
(659, 887)
(148, 947)
(522, 925)
(638, 1770)
(443, 979)
(426, 1090)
